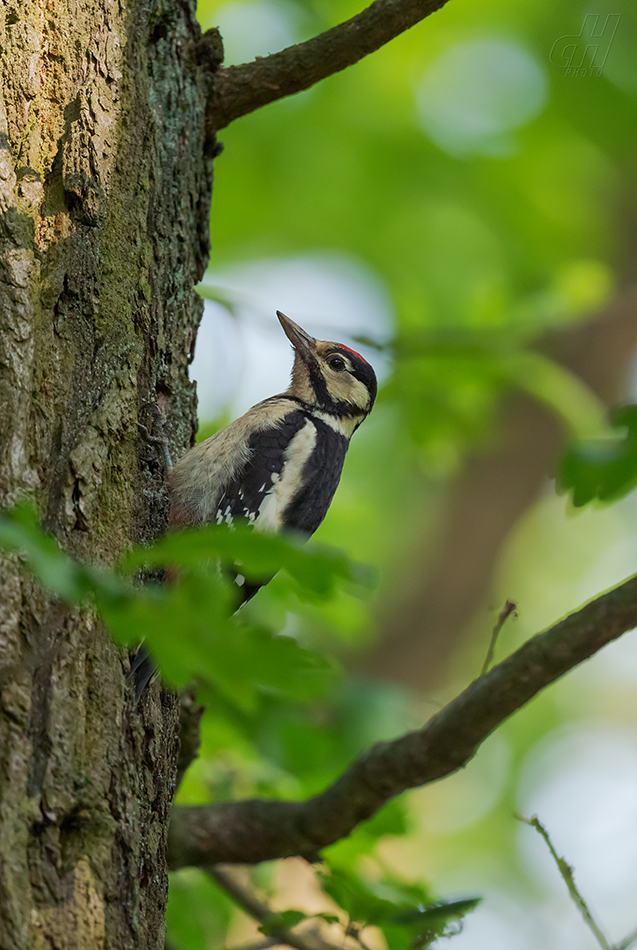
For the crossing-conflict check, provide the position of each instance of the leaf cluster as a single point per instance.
(406, 913)
(191, 628)
(190, 625)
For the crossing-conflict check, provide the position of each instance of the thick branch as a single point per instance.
(242, 89)
(252, 831)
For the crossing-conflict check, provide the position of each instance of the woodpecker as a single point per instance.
(278, 466)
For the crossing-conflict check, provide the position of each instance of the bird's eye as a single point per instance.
(336, 363)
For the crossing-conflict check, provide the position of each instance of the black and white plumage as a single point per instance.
(279, 465)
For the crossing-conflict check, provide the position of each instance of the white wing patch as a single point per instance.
(286, 484)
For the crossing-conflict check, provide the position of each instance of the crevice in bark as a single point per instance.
(104, 202)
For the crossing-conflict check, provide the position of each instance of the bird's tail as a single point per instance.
(142, 671)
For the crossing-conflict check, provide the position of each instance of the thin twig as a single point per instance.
(628, 941)
(260, 911)
(246, 832)
(239, 90)
(566, 873)
(505, 613)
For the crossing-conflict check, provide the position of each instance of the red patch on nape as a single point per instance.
(342, 346)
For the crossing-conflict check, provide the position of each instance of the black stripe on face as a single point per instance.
(319, 385)
(347, 409)
(326, 401)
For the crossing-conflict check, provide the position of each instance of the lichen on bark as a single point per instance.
(105, 182)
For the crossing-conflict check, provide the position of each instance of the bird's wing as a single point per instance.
(208, 472)
(263, 488)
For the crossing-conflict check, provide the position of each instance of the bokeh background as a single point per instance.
(460, 206)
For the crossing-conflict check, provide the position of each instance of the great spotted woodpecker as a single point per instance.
(279, 465)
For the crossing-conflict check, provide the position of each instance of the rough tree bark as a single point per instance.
(107, 119)
(104, 197)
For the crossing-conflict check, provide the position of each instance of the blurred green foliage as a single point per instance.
(603, 469)
(405, 913)
(191, 630)
(490, 191)
(215, 647)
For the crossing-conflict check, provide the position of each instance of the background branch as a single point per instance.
(261, 912)
(242, 89)
(256, 830)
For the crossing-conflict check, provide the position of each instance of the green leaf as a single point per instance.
(284, 920)
(371, 903)
(356, 898)
(70, 580)
(258, 556)
(403, 910)
(440, 912)
(391, 819)
(421, 926)
(189, 626)
(602, 469)
(192, 635)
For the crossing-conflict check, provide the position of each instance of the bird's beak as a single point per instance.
(303, 343)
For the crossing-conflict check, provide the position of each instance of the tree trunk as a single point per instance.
(104, 194)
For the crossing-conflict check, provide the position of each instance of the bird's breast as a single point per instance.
(288, 481)
(320, 474)
(290, 478)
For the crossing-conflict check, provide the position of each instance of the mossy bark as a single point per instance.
(105, 184)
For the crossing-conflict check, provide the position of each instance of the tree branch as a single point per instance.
(242, 89)
(252, 831)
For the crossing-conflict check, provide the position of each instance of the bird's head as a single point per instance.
(329, 376)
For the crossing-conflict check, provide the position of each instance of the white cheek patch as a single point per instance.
(289, 481)
(361, 394)
(346, 388)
